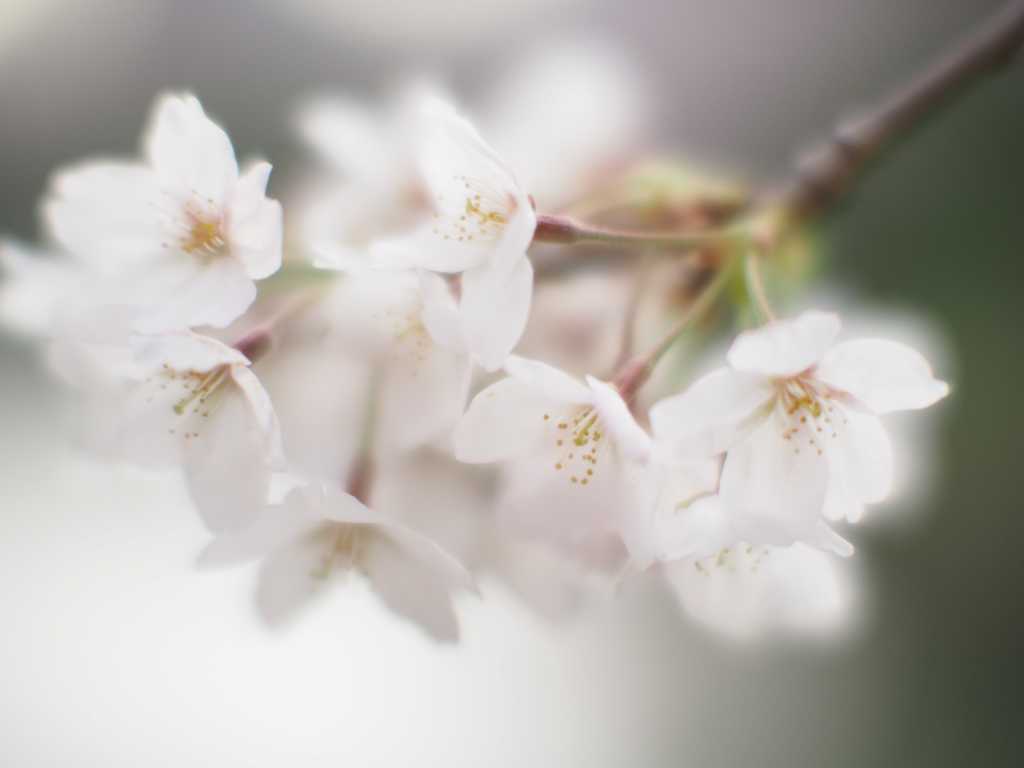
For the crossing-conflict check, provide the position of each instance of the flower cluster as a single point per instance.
(373, 417)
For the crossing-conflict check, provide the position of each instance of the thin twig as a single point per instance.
(826, 174)
(641, 277)
(566, 230)
(755, 285)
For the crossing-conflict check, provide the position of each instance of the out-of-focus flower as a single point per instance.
(33, 287)
(318, 533)
(580, 447)
(374, 189)
(181, 399)
(750, 592)
(184, 233)
(589, 109)
(797, 418)
(381, 347)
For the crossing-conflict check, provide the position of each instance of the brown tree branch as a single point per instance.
(827, 173)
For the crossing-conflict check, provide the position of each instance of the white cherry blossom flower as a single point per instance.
(743, 590)
(184, 233)
(318, 534)
(797, 417)
(750, 592)
(481, 225)
(181, 399)
(382, 343)
(576, 446)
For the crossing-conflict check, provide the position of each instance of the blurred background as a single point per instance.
(116, 651)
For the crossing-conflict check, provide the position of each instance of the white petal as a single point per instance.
(494, 311)
(711, 414)
(108, 213)
(503, 421)
(263, 414)
(516, 238)
(339, 507)
(186, 295)
(756, 591)
(883, 375)
(190, 153)
(422, 395)
(773, 489)
(540, 502)
(440, 311)
(860, 464)
(277, 527)
(676, 517)
(547, 381)
(255, 224)
(452, 149)
(293, 575)
(629, 437)
(412, 591)
(229, 459)
(785, 347)
(425, 249)
(439, 562)
(182, 351)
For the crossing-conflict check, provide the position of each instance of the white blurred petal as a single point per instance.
(628, 436)
(504, 421)
(884, 375)
(255, 224)
(755, 592)
(494, 309)
(772, 489)
(107, 213)
(547, 381)
(785, 347)
(711, 414)
(190, 154)
(214, 293)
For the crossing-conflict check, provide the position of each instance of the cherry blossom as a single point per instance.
(181, 399)
(317, 534)
(184, 233)
(481, 225)
(797, 417)
(379, 346)
(576, 447)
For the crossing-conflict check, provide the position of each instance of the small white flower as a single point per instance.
(578, 444)
(481, 225)
(317, 534)
(184, 233)
(748, 592)
(797, 418)
(180, 399)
